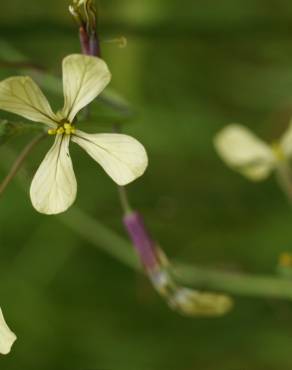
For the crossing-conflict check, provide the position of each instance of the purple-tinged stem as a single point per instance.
(84, 41)
(94, 46)
(133, 221)
(141, 239)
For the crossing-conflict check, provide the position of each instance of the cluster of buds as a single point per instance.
(187, 302)
(85, 14)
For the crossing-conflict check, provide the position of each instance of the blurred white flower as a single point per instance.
(244, 152)
(86, 3)
(54, 187)
(79, 2)
(7, 337)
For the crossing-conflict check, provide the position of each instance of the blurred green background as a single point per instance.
(190, 68)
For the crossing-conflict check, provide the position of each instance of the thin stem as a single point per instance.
(102, 237)
(234, 283)
(24, 64)
(239, 284)
(124, 200)
(19, 161)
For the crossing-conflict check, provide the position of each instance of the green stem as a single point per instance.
(198, 277)
(260, 286)
(19, 162)
(124, 200)
(102, 237)
(21, 65)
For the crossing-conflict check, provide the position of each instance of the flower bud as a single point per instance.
(194, 303)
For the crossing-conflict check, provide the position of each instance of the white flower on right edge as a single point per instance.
(7, 337)
(244, 152)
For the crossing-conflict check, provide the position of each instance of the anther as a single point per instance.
(122, 41)
(52, 131)
(278, 151)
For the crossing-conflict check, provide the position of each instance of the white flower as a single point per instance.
(79, 3)
(7, 338)
(244, 152)
(53, 189)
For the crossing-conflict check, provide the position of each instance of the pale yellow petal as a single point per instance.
(79, 2)
(84, 78)
(22, 96)
(243, 151)
(7, 337)
(54, 187)
(122, 157)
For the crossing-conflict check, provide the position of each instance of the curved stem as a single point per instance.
(19, 161)
(236, 283)
(110, 242)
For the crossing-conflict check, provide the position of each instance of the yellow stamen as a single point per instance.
(60, 131)
(65, 128)
(52, 131)
(122, 41)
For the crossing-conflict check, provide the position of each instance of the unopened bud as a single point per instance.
(193, 303)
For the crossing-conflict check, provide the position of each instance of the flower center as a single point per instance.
(278, 151)
(64, 128)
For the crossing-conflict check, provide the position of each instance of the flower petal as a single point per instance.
(7, 337)
(22, 96)
(54, 187)
(286, 142)
(122, 157)
(84, 78)
(244, 152)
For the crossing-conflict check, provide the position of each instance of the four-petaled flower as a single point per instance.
(252, 157)
(7, 337)
(54, 187)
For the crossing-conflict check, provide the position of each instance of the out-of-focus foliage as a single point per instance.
(190, 68)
